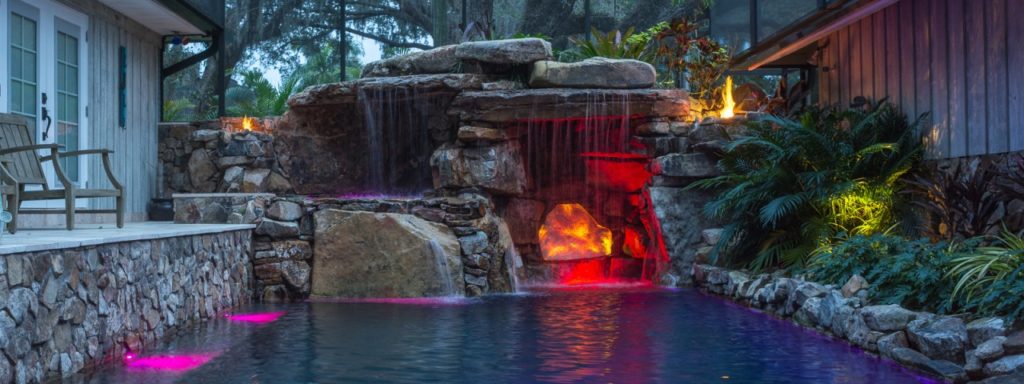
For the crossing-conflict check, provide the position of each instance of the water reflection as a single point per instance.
(626, 335)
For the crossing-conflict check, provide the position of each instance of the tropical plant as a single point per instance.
(978, 272)
(706, 62)
(911, 273)
(614, 44)
(177, 109)
(967, 200)
(794, 183)
(256, 96)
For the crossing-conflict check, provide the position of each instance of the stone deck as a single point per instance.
(35, 240)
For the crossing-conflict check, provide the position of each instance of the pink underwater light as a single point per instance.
(259, 318)
(173, 363)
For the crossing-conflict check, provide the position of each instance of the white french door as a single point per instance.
(45, 77)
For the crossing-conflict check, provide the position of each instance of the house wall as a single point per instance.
(134, 160)
(957, 59)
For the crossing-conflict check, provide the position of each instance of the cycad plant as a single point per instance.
(256, 96)
(615, 45)
(792, 184)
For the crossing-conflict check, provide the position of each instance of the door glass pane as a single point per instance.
(23, 62)
(67, 100)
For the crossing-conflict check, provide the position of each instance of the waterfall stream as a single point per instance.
(444, 272)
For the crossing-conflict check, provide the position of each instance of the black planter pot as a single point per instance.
(160, 209)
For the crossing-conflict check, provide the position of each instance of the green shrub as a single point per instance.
(990, 279)
(793, 184)
(911, 273)
(614, 45)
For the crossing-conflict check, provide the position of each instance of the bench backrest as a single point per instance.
(25, 165)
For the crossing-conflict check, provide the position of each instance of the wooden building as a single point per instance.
(87, 74)
(960, 61)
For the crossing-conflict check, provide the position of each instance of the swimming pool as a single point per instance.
(621, 335)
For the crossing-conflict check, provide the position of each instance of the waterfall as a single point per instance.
(513, 263)
(444, 273)
(396, 120)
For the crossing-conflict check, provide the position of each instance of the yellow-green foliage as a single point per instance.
(865, 209)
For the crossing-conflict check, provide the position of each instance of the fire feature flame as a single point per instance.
(569, 232)
(729, 103)
(247, 123)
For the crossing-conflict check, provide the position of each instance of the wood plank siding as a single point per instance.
(135, 147)
(957, 60)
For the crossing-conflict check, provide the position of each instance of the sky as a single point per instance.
(371, 52)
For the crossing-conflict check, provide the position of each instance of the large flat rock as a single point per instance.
(596, 72)
(510, 51)
(550, 103)
(437, 60)
(365, 254)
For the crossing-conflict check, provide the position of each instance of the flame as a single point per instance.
(247, 123)
(570, 233)
(730, 104)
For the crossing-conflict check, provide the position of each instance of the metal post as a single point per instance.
(753, 22)
(343, 48)
(463, 16)
(586, 19)
(221, 70)
(163, 47)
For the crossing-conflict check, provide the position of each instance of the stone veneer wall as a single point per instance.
(202, 157)
(283, 241)
(64, 310)
(944, 346)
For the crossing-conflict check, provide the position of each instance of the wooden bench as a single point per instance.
(21, 166)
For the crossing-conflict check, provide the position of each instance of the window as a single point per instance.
(67, 97)
(24, 53)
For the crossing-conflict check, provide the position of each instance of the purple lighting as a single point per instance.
(174, 363)
(259, 318)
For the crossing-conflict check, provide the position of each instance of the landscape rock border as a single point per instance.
(942, 346)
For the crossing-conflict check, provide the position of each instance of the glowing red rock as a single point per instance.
(570, 233)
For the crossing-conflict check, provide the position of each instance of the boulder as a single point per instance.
(285, 210)
(887, 318)
(702, 133)
(1016, 377)
(502, 107)
(991, 349)
(437, 60)
(711, 236)
(942, 368)
(365, 254)
(296, 275)
(831, 304)
(1005, 365)
(809, 313)
(596, 72)
(278, 229)
(569, 233)
(201, 169)
(497, 169)
(1014, 343)
(511, 51)
(853, 285)
(474, 243)
(471, 134)
(524, 218)
(940, 337)
(255, 180)
(980, 330)
(685, 165)
(888, 343)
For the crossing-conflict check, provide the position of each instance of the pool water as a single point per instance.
(601, 335)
